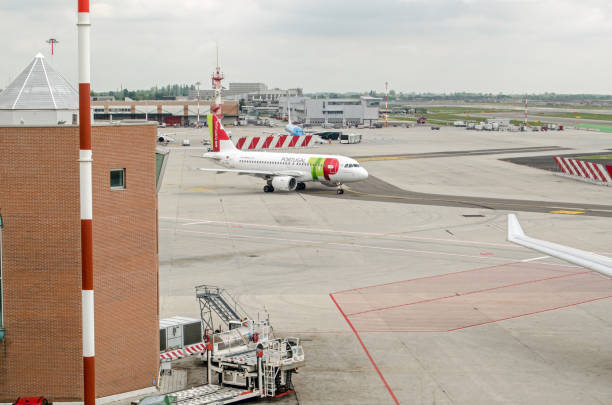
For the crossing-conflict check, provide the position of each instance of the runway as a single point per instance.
(375, 189)
(476, 152)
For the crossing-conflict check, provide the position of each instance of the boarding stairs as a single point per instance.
(218, 300)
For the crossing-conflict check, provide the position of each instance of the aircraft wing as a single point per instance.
(599, 263)
(258, 173)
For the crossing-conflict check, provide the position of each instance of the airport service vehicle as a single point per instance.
(350, 138)
(326, 135)
(421, 120)
(282, 171)
(459, 123)
(435, 127)
(245, 360)
(599, 263)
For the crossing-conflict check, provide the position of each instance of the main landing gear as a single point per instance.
(300, 186)
(340, 190)
(268, 189)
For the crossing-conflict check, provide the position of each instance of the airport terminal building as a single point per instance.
(336, 111)
(40, 261)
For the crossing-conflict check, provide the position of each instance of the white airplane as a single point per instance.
(292, 129)
(599, 263)
(283, 171)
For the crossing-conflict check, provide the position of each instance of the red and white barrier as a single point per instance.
(172, 355)
(184, 352)
(195, 349)
(587, 170)
(273, 142)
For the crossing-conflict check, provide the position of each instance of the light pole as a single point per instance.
(52, 41)
(198, 84)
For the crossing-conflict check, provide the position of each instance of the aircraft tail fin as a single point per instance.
(219, 139)
(288, 112)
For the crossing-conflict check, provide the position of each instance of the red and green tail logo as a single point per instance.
(323, 167)
(217, 132)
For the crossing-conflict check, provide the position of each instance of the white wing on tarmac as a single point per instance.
(599, 263)
(259, 173)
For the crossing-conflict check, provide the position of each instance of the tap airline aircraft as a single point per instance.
(283, 171)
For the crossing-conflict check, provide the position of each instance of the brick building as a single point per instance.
(41, 351)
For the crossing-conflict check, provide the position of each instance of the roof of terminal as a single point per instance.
(39, 87)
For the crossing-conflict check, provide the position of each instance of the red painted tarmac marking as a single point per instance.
(424, 278)
(469, 293)
(530, 313)
(382, 378)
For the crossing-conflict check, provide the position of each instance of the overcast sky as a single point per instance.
(510, 46)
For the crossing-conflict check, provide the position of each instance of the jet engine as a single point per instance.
(285, 183)
(164, 139)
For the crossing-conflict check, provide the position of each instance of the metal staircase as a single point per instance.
(269, 378)
(271, 367)
(218, 300)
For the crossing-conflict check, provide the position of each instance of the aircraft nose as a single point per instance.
(364, 174)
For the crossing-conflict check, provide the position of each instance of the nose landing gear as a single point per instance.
(340, 190)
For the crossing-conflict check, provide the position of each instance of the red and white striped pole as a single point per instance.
(85, 163)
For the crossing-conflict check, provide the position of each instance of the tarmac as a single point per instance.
(407, 303)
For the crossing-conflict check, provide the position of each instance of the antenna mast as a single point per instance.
(217, 77)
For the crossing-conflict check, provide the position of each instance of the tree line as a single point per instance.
(154, 93)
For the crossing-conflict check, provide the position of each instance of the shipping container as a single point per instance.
(178, 332)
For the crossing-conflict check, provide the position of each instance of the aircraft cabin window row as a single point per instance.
(298, 163)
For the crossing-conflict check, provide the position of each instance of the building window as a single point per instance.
(117, 179)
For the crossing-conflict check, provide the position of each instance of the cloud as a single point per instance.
(341, 45)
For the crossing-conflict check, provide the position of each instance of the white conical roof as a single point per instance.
(39, 87)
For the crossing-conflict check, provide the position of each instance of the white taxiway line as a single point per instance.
(304, 241)
(195, 221)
